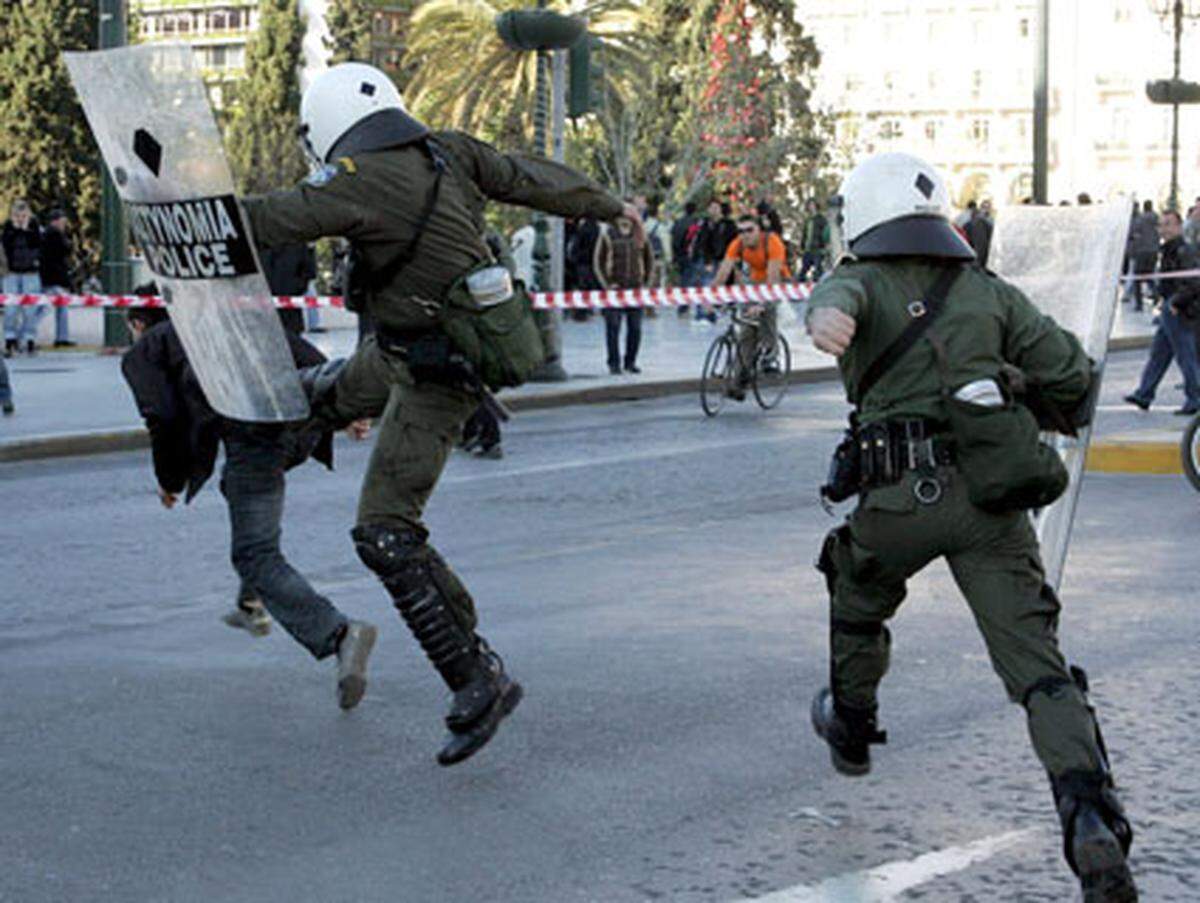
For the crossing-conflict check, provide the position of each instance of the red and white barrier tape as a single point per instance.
(616, 298)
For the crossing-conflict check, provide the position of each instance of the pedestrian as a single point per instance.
(22, 242)
(684, 232)
(814, 243)
(522, 252)
(184, 434)
(922, 488)
(57, 270)
(978, 230)
(289, 270)
(1143, 249)
(6, 393)
(623, 261)
(411, 202)
(720, 229)
(580, 254)
(760, 258)
(1191, 227)
(658, 235)
(1175, 337)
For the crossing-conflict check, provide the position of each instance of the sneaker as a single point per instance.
(250, 617)
(10, 347)
(353, 650)
(491, 452)
(1137, 402)
(63, 343)
(30, 348)
(1187, 412)
(632, 368)
(614, 371)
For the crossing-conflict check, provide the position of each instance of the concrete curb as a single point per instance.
(98, 442)
(1135, 456)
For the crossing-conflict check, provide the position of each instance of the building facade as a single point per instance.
(953, 81)
(219, 30)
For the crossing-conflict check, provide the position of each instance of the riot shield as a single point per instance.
(150, 114)
(1068, 261)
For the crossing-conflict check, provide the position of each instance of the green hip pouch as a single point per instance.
(489, 319)
(1004, 464)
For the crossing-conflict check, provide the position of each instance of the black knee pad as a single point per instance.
(389, 551)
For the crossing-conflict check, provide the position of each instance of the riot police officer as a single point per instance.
(411, 203)
(919, 499)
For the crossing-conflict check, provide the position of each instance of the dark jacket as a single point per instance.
(184, 429)
(22, 247)
(718, 236)
(57, 259)
(979, 235)
(1182, 294)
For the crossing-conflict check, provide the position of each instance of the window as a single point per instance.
(976, 82)
(216, 57)
(853, 81)
(891, 130)
(889, 80)
(980, 131)
(1023, 28)
(931, 130)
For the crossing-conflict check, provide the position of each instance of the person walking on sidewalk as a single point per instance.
(1175, 338)
(623, 260)
(22, 242)
(184, 434)
(58, 270)
(6, 393)
(1143, 250)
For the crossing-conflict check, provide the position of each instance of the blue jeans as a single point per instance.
(21, 323)
(1174, 339)
(5, 385)
(253, 485)
(61, 331)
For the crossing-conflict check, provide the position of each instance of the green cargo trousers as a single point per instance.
(995, 562)
(418, 427)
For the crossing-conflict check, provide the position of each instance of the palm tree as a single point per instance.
(466, 78)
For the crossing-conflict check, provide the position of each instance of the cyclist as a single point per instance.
(761, 257)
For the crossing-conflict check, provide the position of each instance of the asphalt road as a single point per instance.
(647, 575)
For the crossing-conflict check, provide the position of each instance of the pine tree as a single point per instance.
(261, 140)
(47, 154)
(349, 23)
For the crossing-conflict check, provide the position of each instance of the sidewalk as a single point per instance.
(76, 402)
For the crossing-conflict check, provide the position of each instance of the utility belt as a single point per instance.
(880, 454)
(432, 357)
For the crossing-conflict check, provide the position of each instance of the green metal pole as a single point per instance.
(1041, 107)
(114, 238)
(552, 370)
(1173, 204)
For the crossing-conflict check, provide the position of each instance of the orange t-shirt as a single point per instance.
(758, 258)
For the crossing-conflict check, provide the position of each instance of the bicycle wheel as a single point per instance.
(772, 372)
(1191, 453)
(714, 379)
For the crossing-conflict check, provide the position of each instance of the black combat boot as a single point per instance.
(477, 709)
(1096, 836)
(422, 586)
(849, 732)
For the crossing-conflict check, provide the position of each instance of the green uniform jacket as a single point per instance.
(985, 324)
(376, 200)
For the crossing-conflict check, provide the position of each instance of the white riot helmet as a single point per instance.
(897, 205)
(352, 108)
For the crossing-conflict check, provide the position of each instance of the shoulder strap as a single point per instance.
(388, 272)
(923, 314)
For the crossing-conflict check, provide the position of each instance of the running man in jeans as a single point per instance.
(184, 433)
(763, 258)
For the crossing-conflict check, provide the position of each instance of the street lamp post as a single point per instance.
(1176, 11)
(114, 259)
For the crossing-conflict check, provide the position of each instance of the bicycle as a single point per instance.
(1190, 450)
(722, 379)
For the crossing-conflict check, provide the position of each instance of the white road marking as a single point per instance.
(885, 882)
